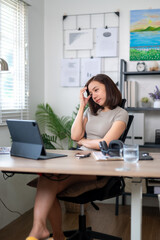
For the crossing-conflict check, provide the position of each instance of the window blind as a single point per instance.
(14, 84)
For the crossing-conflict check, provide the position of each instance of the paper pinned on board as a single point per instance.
(70, 74)
(79, 39)
(107, 42)
(89, 68)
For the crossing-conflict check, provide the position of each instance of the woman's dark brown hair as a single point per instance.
(113, 95)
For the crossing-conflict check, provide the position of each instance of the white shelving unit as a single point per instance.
(124, 74)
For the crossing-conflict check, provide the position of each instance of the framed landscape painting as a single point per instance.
(145, 35)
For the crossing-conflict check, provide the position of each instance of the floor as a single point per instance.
(103, 220)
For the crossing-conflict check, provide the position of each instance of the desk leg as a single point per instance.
(136, 209)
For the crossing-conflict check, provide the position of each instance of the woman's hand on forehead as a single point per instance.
(83, 99)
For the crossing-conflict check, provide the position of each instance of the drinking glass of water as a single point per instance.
(131, 153)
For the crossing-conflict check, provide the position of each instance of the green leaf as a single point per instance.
(59, 128)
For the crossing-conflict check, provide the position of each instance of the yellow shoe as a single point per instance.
(31, 238)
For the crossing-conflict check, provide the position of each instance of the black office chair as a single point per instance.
(124, 135)
(112, 188)
(123, 103)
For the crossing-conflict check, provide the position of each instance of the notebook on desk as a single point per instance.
(27, 141)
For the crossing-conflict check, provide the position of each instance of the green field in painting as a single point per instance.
(137, 55)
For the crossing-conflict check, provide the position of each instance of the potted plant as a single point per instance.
(56, 131)
(145, 102)
(156, 97)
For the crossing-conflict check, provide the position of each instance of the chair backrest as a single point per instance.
(130, 120)
(124, 134)
(123, 103)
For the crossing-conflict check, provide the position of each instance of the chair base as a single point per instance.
(84, 233)
(89, 235)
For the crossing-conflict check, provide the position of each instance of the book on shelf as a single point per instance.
(126, 92)
(133, 94)
(130, 93)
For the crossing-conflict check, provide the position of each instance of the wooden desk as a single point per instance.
(89, 166)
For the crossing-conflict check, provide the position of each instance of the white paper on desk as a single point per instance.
(5, 150)
(107, 42)
(100, 157)
(89, 68)
(70, 72)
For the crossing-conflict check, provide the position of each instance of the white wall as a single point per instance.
(36, 54)
(14, 192)
(64, 100)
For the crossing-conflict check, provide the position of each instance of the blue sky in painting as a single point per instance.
(144, 18)
(138, 15)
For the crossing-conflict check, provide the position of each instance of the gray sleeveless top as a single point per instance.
(98, 126)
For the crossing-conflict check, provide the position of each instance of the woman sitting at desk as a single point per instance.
(103, 120)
